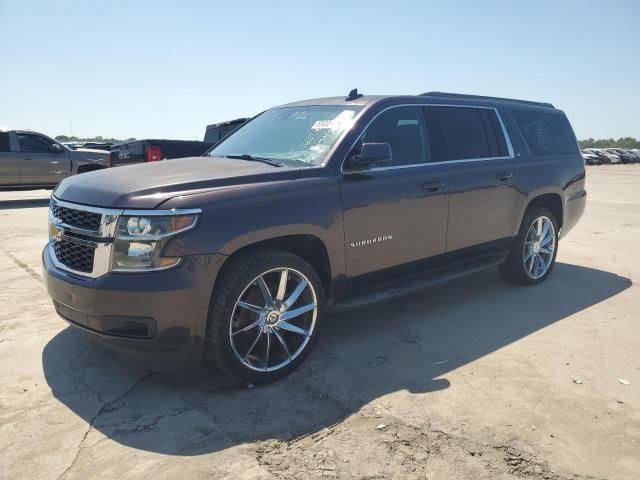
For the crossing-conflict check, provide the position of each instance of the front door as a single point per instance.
(395, 213)
(42, 161)
(9, 162)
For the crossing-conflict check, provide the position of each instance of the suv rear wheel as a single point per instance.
(265, 315)
(534, 252)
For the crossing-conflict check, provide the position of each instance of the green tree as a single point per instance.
(622, 142)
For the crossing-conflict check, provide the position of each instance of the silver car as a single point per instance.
(32, 160)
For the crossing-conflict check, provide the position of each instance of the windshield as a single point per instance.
(291, 136)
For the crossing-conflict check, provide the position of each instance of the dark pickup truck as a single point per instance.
(153, 150)
(232, 260)
(217, 131)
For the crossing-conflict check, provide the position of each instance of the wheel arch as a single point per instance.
(89, 167)
(549, 199)
(306, 246)
(552, 202)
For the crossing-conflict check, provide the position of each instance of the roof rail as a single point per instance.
(480, 97)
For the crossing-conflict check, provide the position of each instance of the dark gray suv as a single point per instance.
(232, 260)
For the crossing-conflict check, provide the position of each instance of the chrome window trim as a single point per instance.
(425, 164)
(103, 238)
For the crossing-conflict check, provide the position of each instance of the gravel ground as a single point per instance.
(474, 379)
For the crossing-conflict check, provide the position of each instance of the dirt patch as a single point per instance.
(374, 447)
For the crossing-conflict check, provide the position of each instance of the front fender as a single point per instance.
(232, 219)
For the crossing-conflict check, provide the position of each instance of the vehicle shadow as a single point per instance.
(23, 203)
(406, 344)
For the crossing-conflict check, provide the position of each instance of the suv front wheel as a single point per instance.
(265, 315)
(533, 253)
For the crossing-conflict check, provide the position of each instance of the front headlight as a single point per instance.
(140, 239)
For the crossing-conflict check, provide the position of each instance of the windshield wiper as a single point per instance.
(251, 158)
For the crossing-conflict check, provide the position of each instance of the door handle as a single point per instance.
(433, 186)
(504, 176)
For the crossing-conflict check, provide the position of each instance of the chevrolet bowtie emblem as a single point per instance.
(55, 231)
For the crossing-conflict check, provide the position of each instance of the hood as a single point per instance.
(147, 185)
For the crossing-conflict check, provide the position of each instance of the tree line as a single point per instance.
(622, 142)
(98, 139)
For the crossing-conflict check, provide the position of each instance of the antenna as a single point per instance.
(353, 95)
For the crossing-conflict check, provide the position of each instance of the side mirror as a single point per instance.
(371, 154)
(55, 148)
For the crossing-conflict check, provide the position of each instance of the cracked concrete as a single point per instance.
(469, 380)
(105, 408)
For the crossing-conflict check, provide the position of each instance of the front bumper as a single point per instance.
(156, 320)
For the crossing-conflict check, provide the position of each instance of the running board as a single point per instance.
(416, 283)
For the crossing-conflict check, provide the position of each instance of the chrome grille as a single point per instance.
(81, 237)
(77, 218)
(76, 256)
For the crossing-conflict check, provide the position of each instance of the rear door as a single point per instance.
(482, 196)
(396, 213)
(42, 160)
(9, 162)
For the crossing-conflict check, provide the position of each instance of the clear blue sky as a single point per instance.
(167, 68)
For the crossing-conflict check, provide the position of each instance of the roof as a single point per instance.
(438, 96)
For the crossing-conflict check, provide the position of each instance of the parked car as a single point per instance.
(605, 157)
(32, 160)
(153, 150)
(624, 155)
(591, 159)
(217, 131)
(636, 155)
(232, 260)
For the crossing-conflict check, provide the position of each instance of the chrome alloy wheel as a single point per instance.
(273, 319)
(539, 247)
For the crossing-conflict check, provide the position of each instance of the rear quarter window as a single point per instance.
(546, 133)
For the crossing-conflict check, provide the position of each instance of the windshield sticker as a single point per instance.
(338, 123)
(319, 148)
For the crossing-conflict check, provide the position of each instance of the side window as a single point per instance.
(403, 129)
(546, 133)
(34, 143)
(495, 133)
(5, 145)
(460, 133)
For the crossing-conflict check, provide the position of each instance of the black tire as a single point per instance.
(514, 269)
(238, 275)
